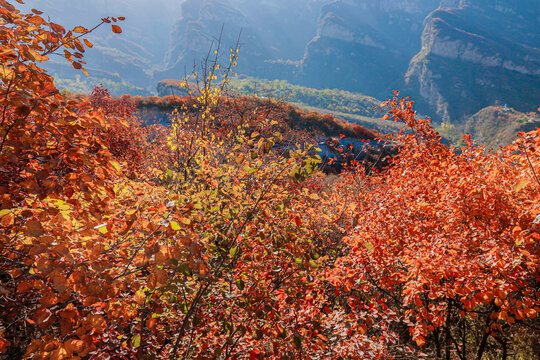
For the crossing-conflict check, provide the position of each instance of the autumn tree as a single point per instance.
(446, 241)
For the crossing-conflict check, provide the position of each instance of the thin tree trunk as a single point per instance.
(437, 343)
(485, 337)
(447, 343)
(464, 338)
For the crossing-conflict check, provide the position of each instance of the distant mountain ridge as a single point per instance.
(270, 31)
(454, 57)
(478, 53)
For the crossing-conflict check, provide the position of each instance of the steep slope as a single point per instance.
(477, 53)
(270, 31)
(364, 45)
(128, 57)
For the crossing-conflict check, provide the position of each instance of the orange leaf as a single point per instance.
(116, 29)
(59, 281)
(36, 20)
(78, 45)
(531, 313)
(520, 185)
(7, 220)
(420, 341)
(74, 345)
(34, 228)
(40, 316)
(79, 30)
(24, 287)
(49, 299)
(96, 322)
(67, 55)
(362, 329)
(4, 345)
(163, 256)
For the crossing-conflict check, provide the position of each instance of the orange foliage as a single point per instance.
(218, 237)
(446, 237)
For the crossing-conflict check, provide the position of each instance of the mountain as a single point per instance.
(454, 57)
(475, 53)
(269, 30)
(363, 45)
(129, 57)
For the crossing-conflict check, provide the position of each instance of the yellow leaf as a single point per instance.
(4, 212)
(102, 228)
(369, 246)
(175, 226)
(240, 159)
(116, 165)
(520, 185)
(6, 73)
(136, 341)
(131, 212)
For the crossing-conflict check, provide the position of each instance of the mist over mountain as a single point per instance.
(454, 57)
(270, 31)
(131, 56)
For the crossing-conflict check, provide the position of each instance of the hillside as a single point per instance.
(352, 107)
(496, 126)
(316, 125)
(330, 99)
(476, 54)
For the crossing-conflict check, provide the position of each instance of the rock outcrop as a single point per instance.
(475, 53)
(363, 45)
(496, 126)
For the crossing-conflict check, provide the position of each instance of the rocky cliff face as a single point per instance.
(270, 31)
(454, 56)
(364, 45)
(477, 53)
